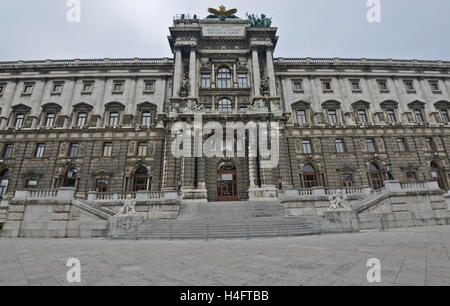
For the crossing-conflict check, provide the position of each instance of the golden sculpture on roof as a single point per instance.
(222, 13)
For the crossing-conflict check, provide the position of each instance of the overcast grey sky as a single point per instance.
(38, 29)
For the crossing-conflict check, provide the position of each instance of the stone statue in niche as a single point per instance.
(265, 84)
(185, 86)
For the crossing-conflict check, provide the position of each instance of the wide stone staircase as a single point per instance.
(243, 220)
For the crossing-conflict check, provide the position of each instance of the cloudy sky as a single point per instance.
(38, 29)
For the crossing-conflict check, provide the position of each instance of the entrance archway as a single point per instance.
(4, 180)
(376, 177)
(436, 175)
(141, 179)
(227, 182)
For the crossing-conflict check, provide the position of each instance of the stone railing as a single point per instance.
(360, 61)
(87, 62)
(346, 191)
(140, 196)
(413, 186)
(61, 194)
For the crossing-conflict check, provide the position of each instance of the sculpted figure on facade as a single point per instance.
(338, 201)
(185, 86)
(128, 209)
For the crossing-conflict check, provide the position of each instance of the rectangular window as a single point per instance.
(8, 150)
(19, 121)
(419, 116)
(31, 184)
(445, 117)
(40, 149)
(347, 180)
(118, 87)
(340, 147)
(370, 145)
(355, 85)
(146, 118)
(57, 88)
(81, 119)
(401, 143)
(88, 87)
(435, 86)
(409, 85)
(149, 86)
(107, 149)
(114, 119)
(362, 116)
(301, 117)
(430, 144)
(391, 116)
(242, 109)
(307, 147)
(242, 80)
(332, 116)
(297, 85)
(206, 80)
(27, 88)
(382, 85)
(142, 149)
(101, 185)
(50, 120)
(326, 85)
(74, 148)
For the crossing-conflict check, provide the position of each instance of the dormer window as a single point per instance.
(57, 88)
(118, 87)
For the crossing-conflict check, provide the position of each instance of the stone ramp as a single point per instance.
(230, 210)
(232, 228)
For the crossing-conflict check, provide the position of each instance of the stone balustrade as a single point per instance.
(140, 196)
(42, 195)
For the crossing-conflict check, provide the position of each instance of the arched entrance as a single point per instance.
(4, 180)
(376, 177)
(310, 177)
(436, 175)
(140, 179)
(227, 182)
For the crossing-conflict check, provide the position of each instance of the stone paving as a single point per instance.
(413, 256)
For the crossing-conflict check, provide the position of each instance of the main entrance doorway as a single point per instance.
(227, 182)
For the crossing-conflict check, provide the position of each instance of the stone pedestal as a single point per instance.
(189, 195)
(346, 217)
(124, 226)
(264, 193)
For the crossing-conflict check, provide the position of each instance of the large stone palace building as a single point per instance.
(104, 125)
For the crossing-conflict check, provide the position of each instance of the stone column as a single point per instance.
(213, 76)
(235, 79)
(271, 72)
(178, 71)
(256, 73)
(192, 71)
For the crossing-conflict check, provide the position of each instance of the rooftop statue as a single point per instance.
(255, 21)
(222, 13)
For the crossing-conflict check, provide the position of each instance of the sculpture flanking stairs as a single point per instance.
(219, 220)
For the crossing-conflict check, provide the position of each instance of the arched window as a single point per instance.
(436, 175)
(376, 177)
(224, 78)
(4, 180)
(70, 178)
(310, 177)
(225, 106)
(141, 179)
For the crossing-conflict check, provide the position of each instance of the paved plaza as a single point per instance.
(413, 256)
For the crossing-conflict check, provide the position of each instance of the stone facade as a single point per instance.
(105, 125)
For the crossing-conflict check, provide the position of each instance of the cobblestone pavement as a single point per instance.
(414, 256)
